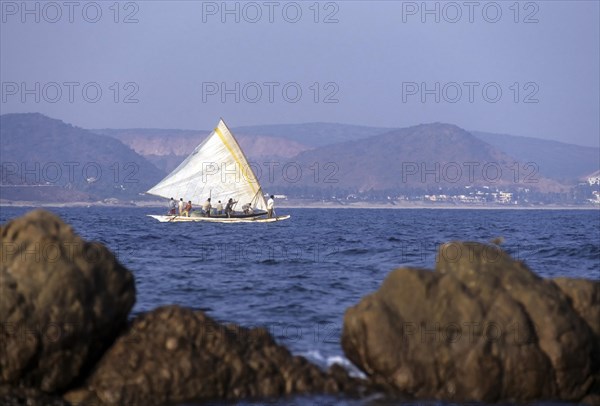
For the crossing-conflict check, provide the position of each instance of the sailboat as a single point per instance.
(219, 170)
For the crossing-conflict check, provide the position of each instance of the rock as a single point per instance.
(175, 354)
(63, 301)
(585, 299)
(12, 396)
(481, 327)
(592, 400)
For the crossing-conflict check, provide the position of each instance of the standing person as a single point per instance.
(229, 207)
(219, 208)
(188, 208)
(206, 207)
(181, 204)
(172, 207)
(270, 206)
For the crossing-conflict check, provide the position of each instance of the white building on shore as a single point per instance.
(594, 178)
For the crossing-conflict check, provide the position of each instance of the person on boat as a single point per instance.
(206, 207)
(219, 208)
(188, 209)
(172, 207)
(270, 206)
(246, 208)
(229, 207)
(181, 205)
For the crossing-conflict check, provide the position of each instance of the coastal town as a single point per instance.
(584, 194)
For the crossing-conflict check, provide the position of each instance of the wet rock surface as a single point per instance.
(480, 327)
(62, 302)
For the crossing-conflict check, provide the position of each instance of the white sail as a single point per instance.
(217, 169)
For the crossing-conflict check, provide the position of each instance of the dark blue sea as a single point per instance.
(297, 277)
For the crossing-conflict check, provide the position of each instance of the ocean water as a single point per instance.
(297, 277)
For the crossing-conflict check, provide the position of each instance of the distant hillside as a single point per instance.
(44, 159)
(423, 157)
(167, 148)
(314, 134)
(556, 160)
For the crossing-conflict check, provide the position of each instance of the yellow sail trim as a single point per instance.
(237, 160)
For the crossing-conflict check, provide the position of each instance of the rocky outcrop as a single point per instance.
(64, 335)
(174, 354)
(63, 301)
(480, 327)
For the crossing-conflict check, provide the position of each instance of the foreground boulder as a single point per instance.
(65, 338)
(481, 327)
(15, 396)
(585, 299)
(175, 354)
(62, 302)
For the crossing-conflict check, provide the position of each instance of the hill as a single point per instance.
(423, 157)
(314, 134)
(556, 160)
(167, 148)
(562, 162)
(45, 159)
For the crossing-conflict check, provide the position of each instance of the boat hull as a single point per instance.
(179, 219)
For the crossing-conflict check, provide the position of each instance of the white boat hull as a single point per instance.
(179, 219)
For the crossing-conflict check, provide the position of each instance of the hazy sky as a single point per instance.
(523, 68)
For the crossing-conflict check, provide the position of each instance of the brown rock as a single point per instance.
(174, 354)
(13, 396)
(585, 299)
(63, 301)
(481, 327)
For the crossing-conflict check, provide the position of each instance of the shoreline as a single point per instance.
(300, 204)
